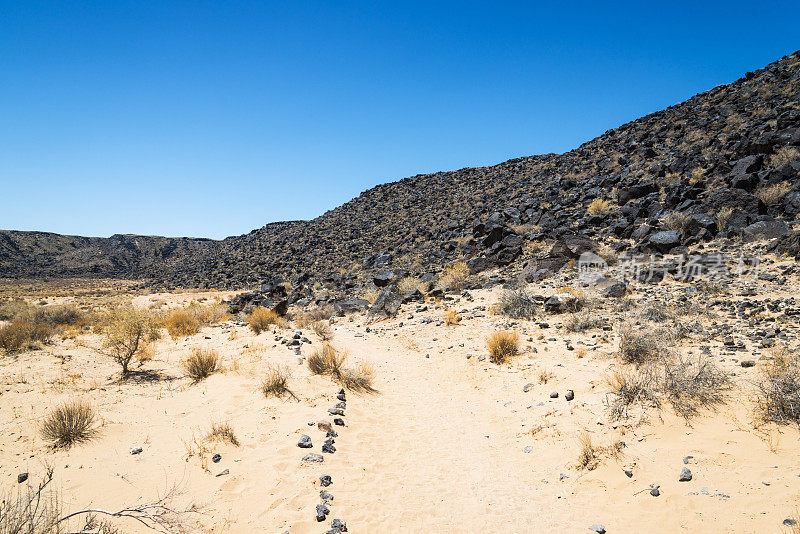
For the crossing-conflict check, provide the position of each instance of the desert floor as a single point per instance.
(449, 442)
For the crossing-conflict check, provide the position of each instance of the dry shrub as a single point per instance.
(545, 376)
(323, 330)
(783, 156)
(587, 457)
(69, 424)
(655, 312)
(13, 308)
(676, 220)
(15, 336)
(210, 313)
(608, 254)
(455, 275)
(599, 206)
(222, 432)
(518, 304)
(693, 384)
(778, 391)
(201, 364)
(409, 284)
(772, 194)
(276, 382)
(182, 323)
(629, 388)
(451, 317)
(128, 334)
(535, 247)
(262, 318)
(722, 216)
(638, 347)
(502, 346)
(581, 322)
(33, 510)
(315, 314)
(358, 378)
(326, 360)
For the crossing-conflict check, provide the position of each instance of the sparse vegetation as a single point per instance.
(455, 275)
(409, 284)
(630, 387)
(783, 156)
(201, 364)
(182, 323)
(326, 360)
(722, 216)
(15, 336)
(778, 391)
(581, 322)
(262, 318)
(599, 206)
(676, 220)
(128, 334)
(638, 347)
(323, 330)
(451, 317)
(358, 378)
(222, 432)
(772, 194)
(70, 423)
(503, 346)
(276, 382)
(518, 304)
(693, 384)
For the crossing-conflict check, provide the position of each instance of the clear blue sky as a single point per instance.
(213, 118)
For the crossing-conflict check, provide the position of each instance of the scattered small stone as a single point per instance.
(322, 511)
(528, 387)
(136, 450)
(628, 473)
(527, 449)
(654, 491)
(789, 522)
(305, 442)
(216, 458)
(223, 472)
(554, 395)
(313, 457)
(687, 458)
(335, 411)
(325, 480)
(22, 477)
(338, 421)
(686, 475)
(337, 525)
(328, 447)
(600, 529)
(747, 363)
(569, 395)
(325, 495)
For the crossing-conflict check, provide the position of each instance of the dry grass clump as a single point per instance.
(778, 391)
(358, 378)
(323, 330)
(690, 385)
(518, 304)
(455, 275)
(409, 284)
(581, 322)
(326, 360)
(608, 254)
(655, 312)
(276, 383)
(535, 247)
(69, 424)
(262, 318)
(772, 194)
(15, 336)
(313, 315)
(638, 347)
(201, 364)
(676, 220)
(783, 156)
(599, 206)
(502, 346)
(590, 454)
(630, 387)
(222, 432)
(722, 216)
(128, 334)
(451, 317)
(182, 323)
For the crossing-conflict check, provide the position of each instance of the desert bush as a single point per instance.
(326, 360)
(535, 247)
(33, 510)
(599, 206)
(518, 304)
(276, 382)
(210, 313)
(12, 308)
(409, 284)
(638, 347)
(772, 194)
(222, 432)
(783, 156)
(693, 384)
(59, 315)
(451, 317)
(581, 322)
(608, 254)
(201, 363)
(323, 330)
(778, 391)
(262, 318)
(358, 378)
(182, 323)
(15, 336)
(502, 346)
(722, 216)
(69, 424)
(676, 220)
(128, 334)
(455, 275)
(655, 312)
(314, 314)
(631, 387)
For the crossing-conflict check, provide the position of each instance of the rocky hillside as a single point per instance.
(723, 160)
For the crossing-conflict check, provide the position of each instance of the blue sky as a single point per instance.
(211, 119)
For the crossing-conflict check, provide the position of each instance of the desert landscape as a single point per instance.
(604, 340)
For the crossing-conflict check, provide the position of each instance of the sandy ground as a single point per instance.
(448, 443)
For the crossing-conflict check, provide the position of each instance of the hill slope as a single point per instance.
(698, 157)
